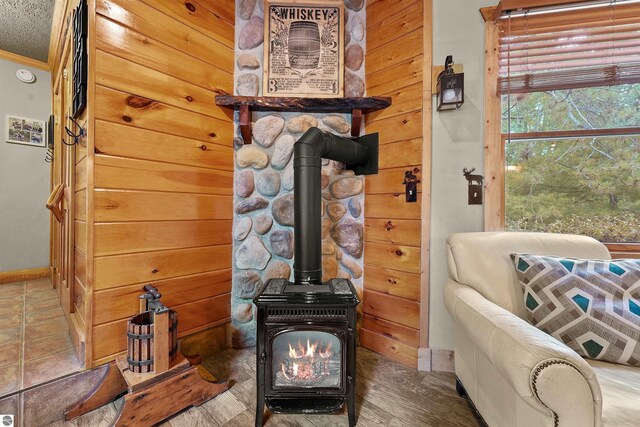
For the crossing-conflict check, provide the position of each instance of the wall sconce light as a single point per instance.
(450, 87)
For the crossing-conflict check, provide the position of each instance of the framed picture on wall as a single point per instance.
(303, 48)
(21, 130)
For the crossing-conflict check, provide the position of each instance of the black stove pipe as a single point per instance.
(308, 153)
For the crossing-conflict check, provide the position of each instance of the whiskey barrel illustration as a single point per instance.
(304, 45)
(140, 332)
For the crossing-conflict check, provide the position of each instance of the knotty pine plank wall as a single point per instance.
(392, 255)
(162, 198)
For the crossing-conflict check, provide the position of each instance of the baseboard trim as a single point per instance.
(436, 359)
(22, 275)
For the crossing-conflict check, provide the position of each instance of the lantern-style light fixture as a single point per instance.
(450, 87)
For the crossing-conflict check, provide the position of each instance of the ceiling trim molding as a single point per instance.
(23, 60)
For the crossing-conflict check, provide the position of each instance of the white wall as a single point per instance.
(24, 175)
(458, 30)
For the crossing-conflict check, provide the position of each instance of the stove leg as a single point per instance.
(351, 405)
(260, 407)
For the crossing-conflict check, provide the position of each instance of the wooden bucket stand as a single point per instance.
(153, 396)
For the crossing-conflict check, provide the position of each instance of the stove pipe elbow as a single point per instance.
(308, 153)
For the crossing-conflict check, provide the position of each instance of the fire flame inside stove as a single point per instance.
(306, 362)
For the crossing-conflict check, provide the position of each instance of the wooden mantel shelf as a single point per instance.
(355, 106)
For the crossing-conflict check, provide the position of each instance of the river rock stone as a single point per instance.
(337, 123)
(252, 35)
(277, 270)
(326, 227)
(282, 243)
(243, 336)
(251, 156)
(324, 180)
(346, 187)
(329, 267)
(348, 235)
(247, 283)
(247, 61)
(250, 205)
(336, 210)
(357, 28)
(355, 5)
(252, 254)
(353, 86)
(347, 38)
(287, 178)
(328, 247)
(282, 210)
(300, 124)
(242, 313)
(283, 151)
(243, 227)
(342, 274)
(326, 195)
(355, 207)
(244, 183)
(245, 9)
(268, 183)
(238, 143)
(353, 267)
(267, 129)
(247, 85)
(339, 254)
(354, 57)
(263, 223)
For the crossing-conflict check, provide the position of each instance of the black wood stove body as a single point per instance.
(306, 338)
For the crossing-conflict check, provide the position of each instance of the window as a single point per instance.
(568, 136)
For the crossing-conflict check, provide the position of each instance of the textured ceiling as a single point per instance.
(25, 27)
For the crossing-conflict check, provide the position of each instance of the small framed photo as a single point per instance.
(303, 48)
(21, 130)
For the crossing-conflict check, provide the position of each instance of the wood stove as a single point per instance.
(306, 337)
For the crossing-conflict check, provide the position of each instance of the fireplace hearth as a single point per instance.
(306, 337)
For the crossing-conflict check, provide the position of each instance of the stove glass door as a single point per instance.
(306, 359)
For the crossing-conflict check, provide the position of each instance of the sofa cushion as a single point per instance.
(593, 306)
(620, 387)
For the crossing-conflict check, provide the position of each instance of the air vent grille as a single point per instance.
(306, 313)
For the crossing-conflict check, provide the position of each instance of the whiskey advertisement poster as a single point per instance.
(304, 49)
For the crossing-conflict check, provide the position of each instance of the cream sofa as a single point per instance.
(515, 374)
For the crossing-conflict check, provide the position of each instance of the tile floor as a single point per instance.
(34, 336)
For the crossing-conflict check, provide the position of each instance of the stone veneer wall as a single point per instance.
(263, 189)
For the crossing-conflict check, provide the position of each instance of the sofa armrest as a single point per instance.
(546, 374)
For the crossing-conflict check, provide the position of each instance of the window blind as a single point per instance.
(598, 45)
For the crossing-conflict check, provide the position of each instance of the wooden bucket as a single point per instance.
(304, 45)
(140, 331)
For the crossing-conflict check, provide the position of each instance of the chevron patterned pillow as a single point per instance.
(593, 306)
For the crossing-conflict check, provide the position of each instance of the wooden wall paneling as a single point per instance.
(401, 154)
(403, 100)
(394, 257)
(425, 250)
(193, 14)
(191, 316)
(493, 146)
(81, 205)
(398, 310)
(128, 109)
(391, 206)
(23, 60)
(398, 128)
(122, 205)
(399, 50)
(138, 48)
(392, 330)
(124, 75)
(119, 270)
(378, 11)
(391, 348)
(81, 174)
(390, 180)
(149, 145)
(122, 302)
(81, 236)
(129, 237)
(397, 76)
(131, 174)
(393, 282)
(393, 231)
(395, 26)
(143, 19)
